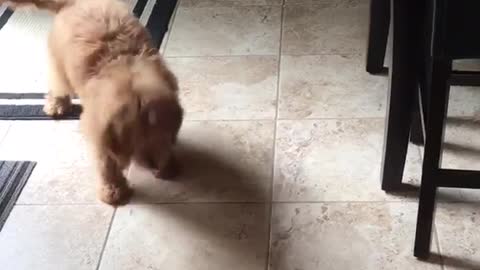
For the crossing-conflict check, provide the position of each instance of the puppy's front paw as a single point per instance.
(57, 106)
(114, 194)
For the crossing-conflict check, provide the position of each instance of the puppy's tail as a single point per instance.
(52, 5)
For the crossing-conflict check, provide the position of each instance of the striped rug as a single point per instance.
(23, 55)
(13, 177)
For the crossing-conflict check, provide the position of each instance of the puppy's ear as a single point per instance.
(118, 134)
(152, 117)
(164, 113)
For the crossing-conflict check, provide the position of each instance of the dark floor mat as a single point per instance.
(159, 19)
(22, 95)
(5, 16)
(34, 112)
(13, 177)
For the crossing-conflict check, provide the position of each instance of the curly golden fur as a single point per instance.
(131, 112)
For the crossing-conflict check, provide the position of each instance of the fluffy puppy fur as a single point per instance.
(131, 112)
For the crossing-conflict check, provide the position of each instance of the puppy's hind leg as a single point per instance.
(58, 100)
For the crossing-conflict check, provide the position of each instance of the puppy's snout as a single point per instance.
(150, 162)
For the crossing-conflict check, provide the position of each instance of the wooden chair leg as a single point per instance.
(437, 111)
(378, 35)
(401, 95)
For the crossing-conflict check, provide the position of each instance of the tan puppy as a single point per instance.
(131, 112)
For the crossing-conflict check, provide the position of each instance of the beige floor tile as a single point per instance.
(64, 172)
(462, 151)
(236, 30)
(54, 237)
(464, 102)
(216, 3)
(327, 27)
(329, 86)
(59, 142)
(334, 160)
(27, 140)
(457, 225)
(4, 126)
(341, 236)
(462, 144)
(70, 147)
(221, 161)
(188, 237)
(224, 88)
(52, 184)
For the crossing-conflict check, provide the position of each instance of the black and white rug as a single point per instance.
(23, 55)
(13, 177)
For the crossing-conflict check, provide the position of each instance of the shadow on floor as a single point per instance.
(208, 176)
(454, 262)
(467, 151)
(412, 192)
(468, 122)
(228, 207)
(222, 183)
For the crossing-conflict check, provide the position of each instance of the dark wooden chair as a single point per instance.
(402, 123)
(451, 33)
(378, 36)
(427, 36)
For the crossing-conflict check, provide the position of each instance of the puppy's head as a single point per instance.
(160, 115)
(158, 124)
(135, 113)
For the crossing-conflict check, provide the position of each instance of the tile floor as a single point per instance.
(281, 151)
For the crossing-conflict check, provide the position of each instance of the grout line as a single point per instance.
(106, 239)
(344, 202)
(219, 56)
(231, 6)
(230, 120)
(284, 119)
(331, 118)
(269, 231)
(58, 204)
(274, 143)
(263, 119)
(407, 201)
(279, 63)
(9, 125)
(263, 55)
(437, 238)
